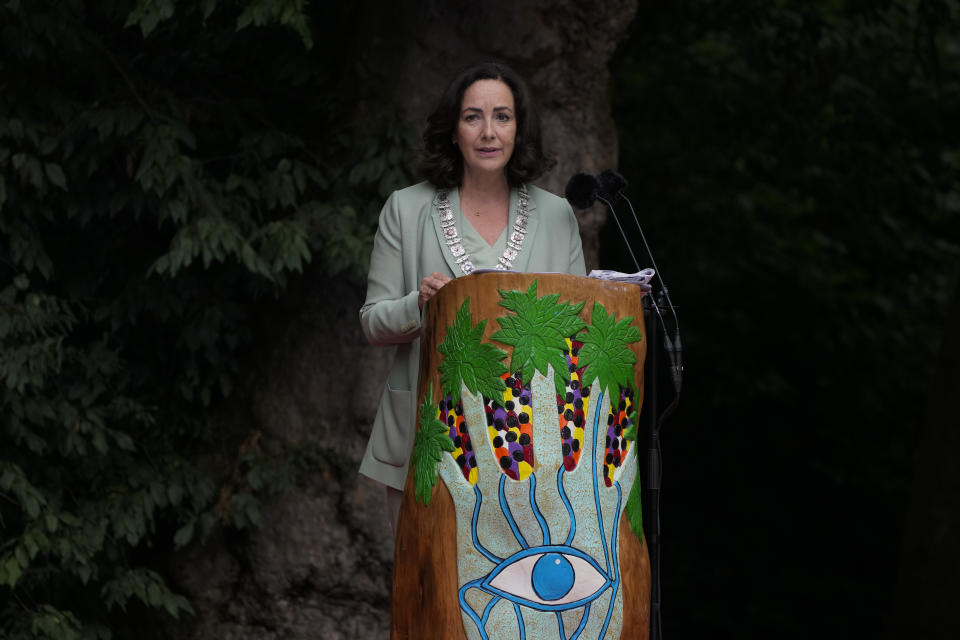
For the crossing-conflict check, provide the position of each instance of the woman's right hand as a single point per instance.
(430, 285)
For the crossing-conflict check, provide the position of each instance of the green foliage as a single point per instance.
(432, 439)
(285, 12)
(605, 353)
(149, 13)
(147, 587)
(538, 332)
(160, 185)
(634, 508)
(470, 361)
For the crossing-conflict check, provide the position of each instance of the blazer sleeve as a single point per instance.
(390, 313)
(577, 266)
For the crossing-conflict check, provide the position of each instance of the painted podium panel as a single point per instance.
(521, 514)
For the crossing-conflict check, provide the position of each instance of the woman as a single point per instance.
(481, 147)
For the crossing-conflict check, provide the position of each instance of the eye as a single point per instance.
(503, 117)
(470, 117)
(549, 578)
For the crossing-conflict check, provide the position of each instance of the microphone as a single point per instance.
(582, 191)
(612, 185)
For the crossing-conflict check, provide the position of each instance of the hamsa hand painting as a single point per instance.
(521, 516)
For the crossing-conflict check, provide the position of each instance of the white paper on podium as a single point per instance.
(641, 277)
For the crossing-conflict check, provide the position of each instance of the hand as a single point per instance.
(545, 544)
(430, 285)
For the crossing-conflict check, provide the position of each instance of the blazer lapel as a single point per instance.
(523, 258)
(453, 197)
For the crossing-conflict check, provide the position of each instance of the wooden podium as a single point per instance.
(518, 514)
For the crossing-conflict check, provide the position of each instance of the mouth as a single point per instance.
(488, 151)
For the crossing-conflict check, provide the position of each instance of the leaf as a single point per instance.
(184, 534)
(432, 439)
(207, 7)
(21, 555)
(31, 506)
(634, 509)
(10, 572)
(148, 14)
(538, 332)
(175, 493)
(605, 353)
(55, 175)
(468, 361)
(289, 13)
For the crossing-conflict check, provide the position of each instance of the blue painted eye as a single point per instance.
(548, 578)
(553, 576)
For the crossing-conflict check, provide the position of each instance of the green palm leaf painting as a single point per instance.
(605, 352)
(432, 439)
(468, 360)
(538, 332)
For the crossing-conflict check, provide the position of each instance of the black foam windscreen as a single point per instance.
(611, 184)
(582, 190)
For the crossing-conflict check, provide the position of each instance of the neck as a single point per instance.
(487, 185)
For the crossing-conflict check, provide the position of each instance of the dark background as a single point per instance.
(187, 198)
(795, 167)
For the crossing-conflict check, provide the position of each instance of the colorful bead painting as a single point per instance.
(572, 407)
(510, 427)
(618, 421)
(452, 416)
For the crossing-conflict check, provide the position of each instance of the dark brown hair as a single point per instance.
(441, 161)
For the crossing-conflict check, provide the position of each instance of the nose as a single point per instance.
(488, 129)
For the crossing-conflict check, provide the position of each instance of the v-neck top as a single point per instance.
(483, 255)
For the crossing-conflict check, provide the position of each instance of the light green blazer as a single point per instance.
(409, 245)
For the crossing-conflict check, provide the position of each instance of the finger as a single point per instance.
(436, 280)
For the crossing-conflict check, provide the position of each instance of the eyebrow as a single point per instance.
(504, 108)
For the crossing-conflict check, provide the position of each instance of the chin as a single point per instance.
(491, 164)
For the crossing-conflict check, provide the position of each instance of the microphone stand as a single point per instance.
(584, 190)
(651, 519)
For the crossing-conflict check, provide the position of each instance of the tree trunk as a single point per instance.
(321, 565)
(928, 584)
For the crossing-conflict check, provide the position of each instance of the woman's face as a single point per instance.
(487, 127)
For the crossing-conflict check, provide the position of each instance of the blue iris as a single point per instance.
(553, 576)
